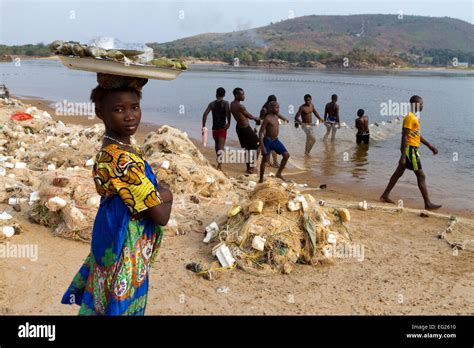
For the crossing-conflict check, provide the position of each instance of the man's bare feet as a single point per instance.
(432, 206)
(386, 199)
(278, 175)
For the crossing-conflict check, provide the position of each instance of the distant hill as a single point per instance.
(414, 39)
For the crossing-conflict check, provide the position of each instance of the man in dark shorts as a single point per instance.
(362, 125)
(269, 141)
(331, 118)
(410, 158)
(304, 117)
(247, 137)
(220, 122)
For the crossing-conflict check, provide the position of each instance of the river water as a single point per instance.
(446, 121)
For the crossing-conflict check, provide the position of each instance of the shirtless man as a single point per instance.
(362, 125)
(220, 121)
(247, 137)
(305, 112)
(331, 117)
(263, 112)
(269, 141)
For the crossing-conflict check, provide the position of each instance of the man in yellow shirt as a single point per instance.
(410, 158)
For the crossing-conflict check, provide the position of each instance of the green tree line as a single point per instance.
(437, 56)
(432, 56)
(39, 49)
(245, 55)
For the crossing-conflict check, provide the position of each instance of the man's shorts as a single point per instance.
(247, 138)
(219, 133)
(273, 144)
(413, 158)
(308, 130)
(362, 138)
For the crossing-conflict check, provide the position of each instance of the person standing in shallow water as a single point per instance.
(362, 126)
(220, 122)
(128, 228)
(304, 118)
(331, 118)
(410, 157)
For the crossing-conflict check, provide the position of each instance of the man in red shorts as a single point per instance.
(220, 122)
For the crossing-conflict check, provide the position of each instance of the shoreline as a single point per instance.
(336, 188)
(376, 69)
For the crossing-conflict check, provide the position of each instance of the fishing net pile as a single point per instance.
(43, 143)
(46, 170)
(67, 202)
(278, 227)
(197, 186)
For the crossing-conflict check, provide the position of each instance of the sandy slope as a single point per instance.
(399, 259)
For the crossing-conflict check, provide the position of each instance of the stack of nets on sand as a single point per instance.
(278, 227)
(67, 202)
(198, 188)
(58, 167)
(58, 145)
(36, 152)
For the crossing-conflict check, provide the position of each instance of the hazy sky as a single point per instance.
(32, 21)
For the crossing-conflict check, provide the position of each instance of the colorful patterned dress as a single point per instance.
(114, 277)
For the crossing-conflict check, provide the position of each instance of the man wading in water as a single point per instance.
(331, 118)
(304, 117)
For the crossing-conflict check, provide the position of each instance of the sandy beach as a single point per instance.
(406, 268)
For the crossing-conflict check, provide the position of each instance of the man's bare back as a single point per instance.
(362, 124)
(331, 111)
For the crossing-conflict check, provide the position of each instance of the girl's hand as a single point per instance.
(165, 194)
(163, 184)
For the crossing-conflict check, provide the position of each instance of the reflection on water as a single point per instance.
(360, 160)
(329, 163)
